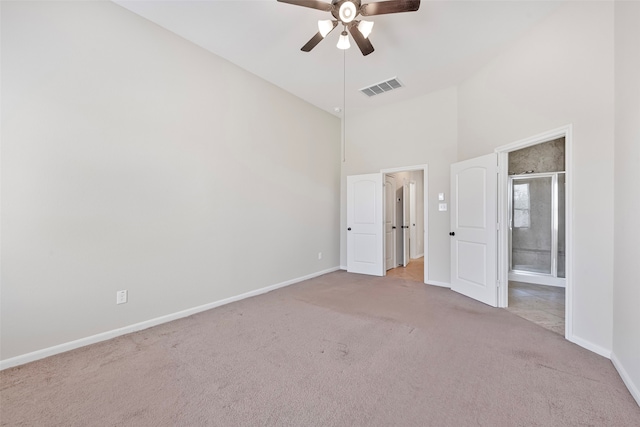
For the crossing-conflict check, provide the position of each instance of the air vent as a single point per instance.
(382, 87)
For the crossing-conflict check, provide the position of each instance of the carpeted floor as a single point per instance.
(338, 350)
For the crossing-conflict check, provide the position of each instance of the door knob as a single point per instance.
(452, 234)
(393, 227)
(349, 229)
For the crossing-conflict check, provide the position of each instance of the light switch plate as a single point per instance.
(442, 207)
(121, 297)
(441, 196)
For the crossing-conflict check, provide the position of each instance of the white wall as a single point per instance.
(559, 73)
(626, 291)
(132, 159)
(419, 131)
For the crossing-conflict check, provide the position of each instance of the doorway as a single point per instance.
(409, 211)
(390, 222)
(366, 236)
(398, 225)
(534, 243)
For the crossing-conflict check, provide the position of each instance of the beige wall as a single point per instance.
(626, 296)
(132, 159)
(414, 132)
(560, 73)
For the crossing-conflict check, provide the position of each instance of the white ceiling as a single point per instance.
(433, 48)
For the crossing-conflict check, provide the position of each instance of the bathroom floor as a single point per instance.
(543, 305)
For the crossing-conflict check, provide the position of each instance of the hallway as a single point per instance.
(414, 271)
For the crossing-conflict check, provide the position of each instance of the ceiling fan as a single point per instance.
(345, 12)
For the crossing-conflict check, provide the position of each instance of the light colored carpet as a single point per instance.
(338, 350)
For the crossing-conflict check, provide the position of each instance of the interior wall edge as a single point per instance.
(104, 336)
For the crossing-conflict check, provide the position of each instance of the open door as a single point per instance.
(474, 191)
(365, 231)
(405, 224)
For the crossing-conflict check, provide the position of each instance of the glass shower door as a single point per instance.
(532, 224)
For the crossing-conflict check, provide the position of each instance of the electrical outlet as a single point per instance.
(319, 255)
(121, 297)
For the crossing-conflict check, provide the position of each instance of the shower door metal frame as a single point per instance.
(554, 226)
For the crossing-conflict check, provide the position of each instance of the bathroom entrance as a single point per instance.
(537, 236)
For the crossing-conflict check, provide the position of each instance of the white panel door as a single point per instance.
(474, 191)
(365, 232)
(413, 235)
(405, 224)
(389, 222)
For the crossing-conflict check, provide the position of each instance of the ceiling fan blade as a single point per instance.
(313, 4)
(363, 43)
(317, 39)
(391, 6)
(312, 43)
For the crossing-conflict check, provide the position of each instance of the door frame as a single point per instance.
(503, 216)
(425, 189)
(394, 221)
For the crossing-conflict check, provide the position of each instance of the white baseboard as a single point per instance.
(590, 346)
(437, 283)
(343, 267)
(633, 388)
(61, 348)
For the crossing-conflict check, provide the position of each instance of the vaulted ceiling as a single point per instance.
(436, 47)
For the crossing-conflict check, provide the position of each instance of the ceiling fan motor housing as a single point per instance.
(342, 7)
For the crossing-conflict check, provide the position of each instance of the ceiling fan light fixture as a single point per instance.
(325, 27)
(347, 12)
(365, 28)
(343, 42)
